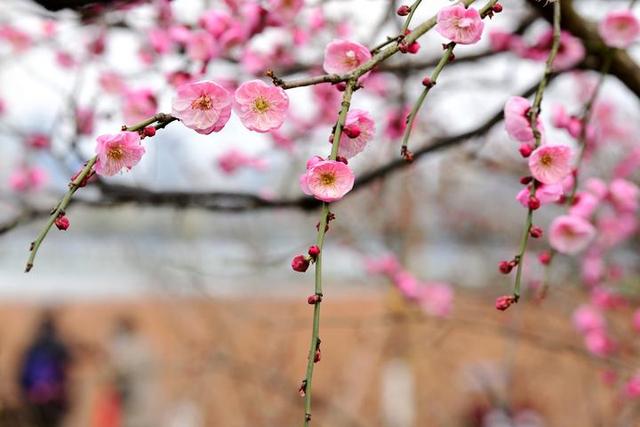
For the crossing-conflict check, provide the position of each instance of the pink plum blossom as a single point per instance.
(261, 107)
(632, 387)
(407, 284)
(550, 164)
(619, 29)
(84, 120)
(593, 267)
(386, 264)
(115, 152)
(597, 187)
(342, 56)
(327, 101)
(584, 206)
(201, 46)
(570, 234)
(516, 119)
(545, 193)
(436, 299)
(586, 319)
(111, 82)
(460, 25)
(624, 195)
(501, 40)
(202, 106)
(327, 180)
(349, 147)
(138, 105)
(613, 229)
(570, 52)
(234, 159)
(599, 343)
(27, 178)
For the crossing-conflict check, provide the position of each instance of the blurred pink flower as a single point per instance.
(201, 46)
(327, 180)
(635, 320)
(111, 82)
(386, 264)
(436, 299)
(570, 52)
(586, 319)
(160, 40)
(460, 25)
(598, 343)
(550, 164)
(232, 160)
(27, 178)
(584, 206)
(516, 119)
(38, 141)
(613, 229)
(361, 119)
(406, 283)
(570, 234)
(632, 387)
(619, 28)
(597, 187)
(342, 56)
(138, 105)
(115, 152)
(501, 40)
(327, 100)
(261, 107)
(593, 267)
(545, 193)
(84, 120)
(624, 195)
(202, 106)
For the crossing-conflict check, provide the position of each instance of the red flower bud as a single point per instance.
(413, 48)
(352, 131)
(504, 302)
(62, 222)
(497, 8)
(403, 10)
(314, 251)
(544, 257)
(149, 131)
(317, 356)
(535, 232)
(427, 82)
(533, 203)
(314, 299)
(525, 150)
(300, 263)
(526, 180)
(341, 86)
(505, 267)
(342, 159)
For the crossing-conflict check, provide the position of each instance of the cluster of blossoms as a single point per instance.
(434, 298)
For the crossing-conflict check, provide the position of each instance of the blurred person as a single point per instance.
(43, 376)
(130, 399)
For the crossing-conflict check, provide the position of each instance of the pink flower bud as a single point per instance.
(62, 222)
(300, 263)
(533, 203)
(314, 299)
(403, 10)
(149, 131)
(535, 232)
(427, 82)
(525, 150)
(526, 180)
(497, 8)
(544, 257)
(505, 267)
(504, 302)
(352, 130)
(314, 251)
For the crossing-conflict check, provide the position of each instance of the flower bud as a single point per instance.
(149, 131)
(504, 302)
(526, 180)
(525, 150)
(533, 203)
(352, 131)
(535, 232)
(403, 10)
(314, 299)
(497, 8)
(427, 82)
(544, 257)
(62, 222)
(314, 251)
(300, 263)
(505, 267)
(341, 86)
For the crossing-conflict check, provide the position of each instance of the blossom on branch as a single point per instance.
(327, 180)
(202, 106)
(122, 150)
(460, 25)
(261, 107)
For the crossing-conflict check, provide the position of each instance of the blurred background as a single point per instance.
(170, 300)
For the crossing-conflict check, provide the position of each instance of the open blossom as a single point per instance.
(460, 25)
(27, 179)
(363, 121)
(138, 105)
(545, 193)
(122, 150)
(261, 107)
(570, 234)
(342, 56)
(619, 29)
(202, 106)
(436, 299)
(327, 180)
(550, 164)
(624, 195)
(516, 119)
(201, 46)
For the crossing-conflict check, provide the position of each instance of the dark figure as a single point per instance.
(43, 376)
